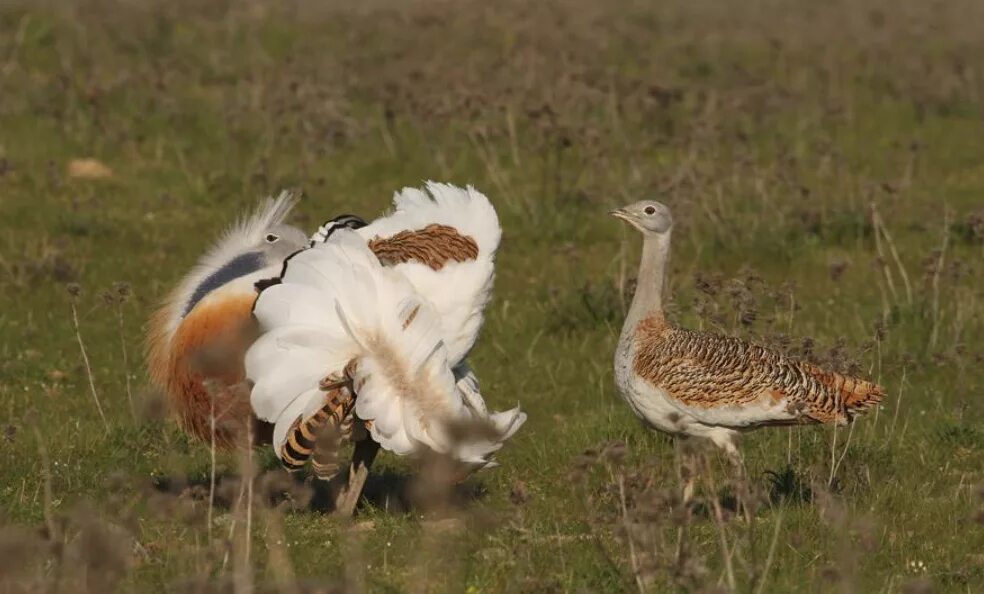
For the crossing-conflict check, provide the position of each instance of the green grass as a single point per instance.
(769, 128)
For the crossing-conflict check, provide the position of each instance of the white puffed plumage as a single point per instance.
(336, 303)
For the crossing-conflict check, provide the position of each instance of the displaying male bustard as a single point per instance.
(362, 334)
(691, 383)
(372, 326)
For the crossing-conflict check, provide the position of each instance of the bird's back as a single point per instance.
(727, 381)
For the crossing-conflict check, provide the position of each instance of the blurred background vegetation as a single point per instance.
(824, 162)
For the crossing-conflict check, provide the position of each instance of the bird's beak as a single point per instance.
(619, 214)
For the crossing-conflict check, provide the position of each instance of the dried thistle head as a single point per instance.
(974, 227)
(116, 295)
(281, 489)
(122, 290)
(519, 493)
(831, 574)
(151, 406)
(614, 453)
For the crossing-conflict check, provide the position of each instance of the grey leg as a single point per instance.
(358, 471)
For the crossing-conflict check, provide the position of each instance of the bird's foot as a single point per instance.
(355, 477)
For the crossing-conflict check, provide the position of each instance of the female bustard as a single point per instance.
(691, 383)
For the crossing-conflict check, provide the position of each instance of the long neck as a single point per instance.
(648, 299)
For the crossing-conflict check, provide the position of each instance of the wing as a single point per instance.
(443, 239)
(727, 381)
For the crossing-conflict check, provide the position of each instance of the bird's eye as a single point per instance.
(272, 238)
(650, 210)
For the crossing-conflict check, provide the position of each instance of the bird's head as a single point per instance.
(345, 221)
(256, 242)
(279, 241)
(648, 216)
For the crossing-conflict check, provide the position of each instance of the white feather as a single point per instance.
(283, 364)
(459, 291)
(490, 431)
(304, 405)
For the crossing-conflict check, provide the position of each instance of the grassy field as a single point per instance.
(825, 164)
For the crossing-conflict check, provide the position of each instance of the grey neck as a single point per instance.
(648, 299)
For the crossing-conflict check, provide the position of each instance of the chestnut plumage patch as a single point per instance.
(434, 246)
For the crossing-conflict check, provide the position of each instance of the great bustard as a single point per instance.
(391, 309)
(692, 383)
(365, 334)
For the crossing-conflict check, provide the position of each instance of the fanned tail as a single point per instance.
(483, 434)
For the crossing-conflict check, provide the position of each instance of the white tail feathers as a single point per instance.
(404, 386)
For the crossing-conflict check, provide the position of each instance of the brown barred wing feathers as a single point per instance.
(433, 246)
(708, 371)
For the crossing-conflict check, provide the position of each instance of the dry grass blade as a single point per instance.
(74, 292)
(881, 228)
(772, 552)
(937, 271)
(636, 570)
(122, 293)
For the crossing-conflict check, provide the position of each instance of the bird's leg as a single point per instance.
(727, 440)
(736, 459)
(684, 473)
(738, 462)
(688, 490)
(362, 456)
